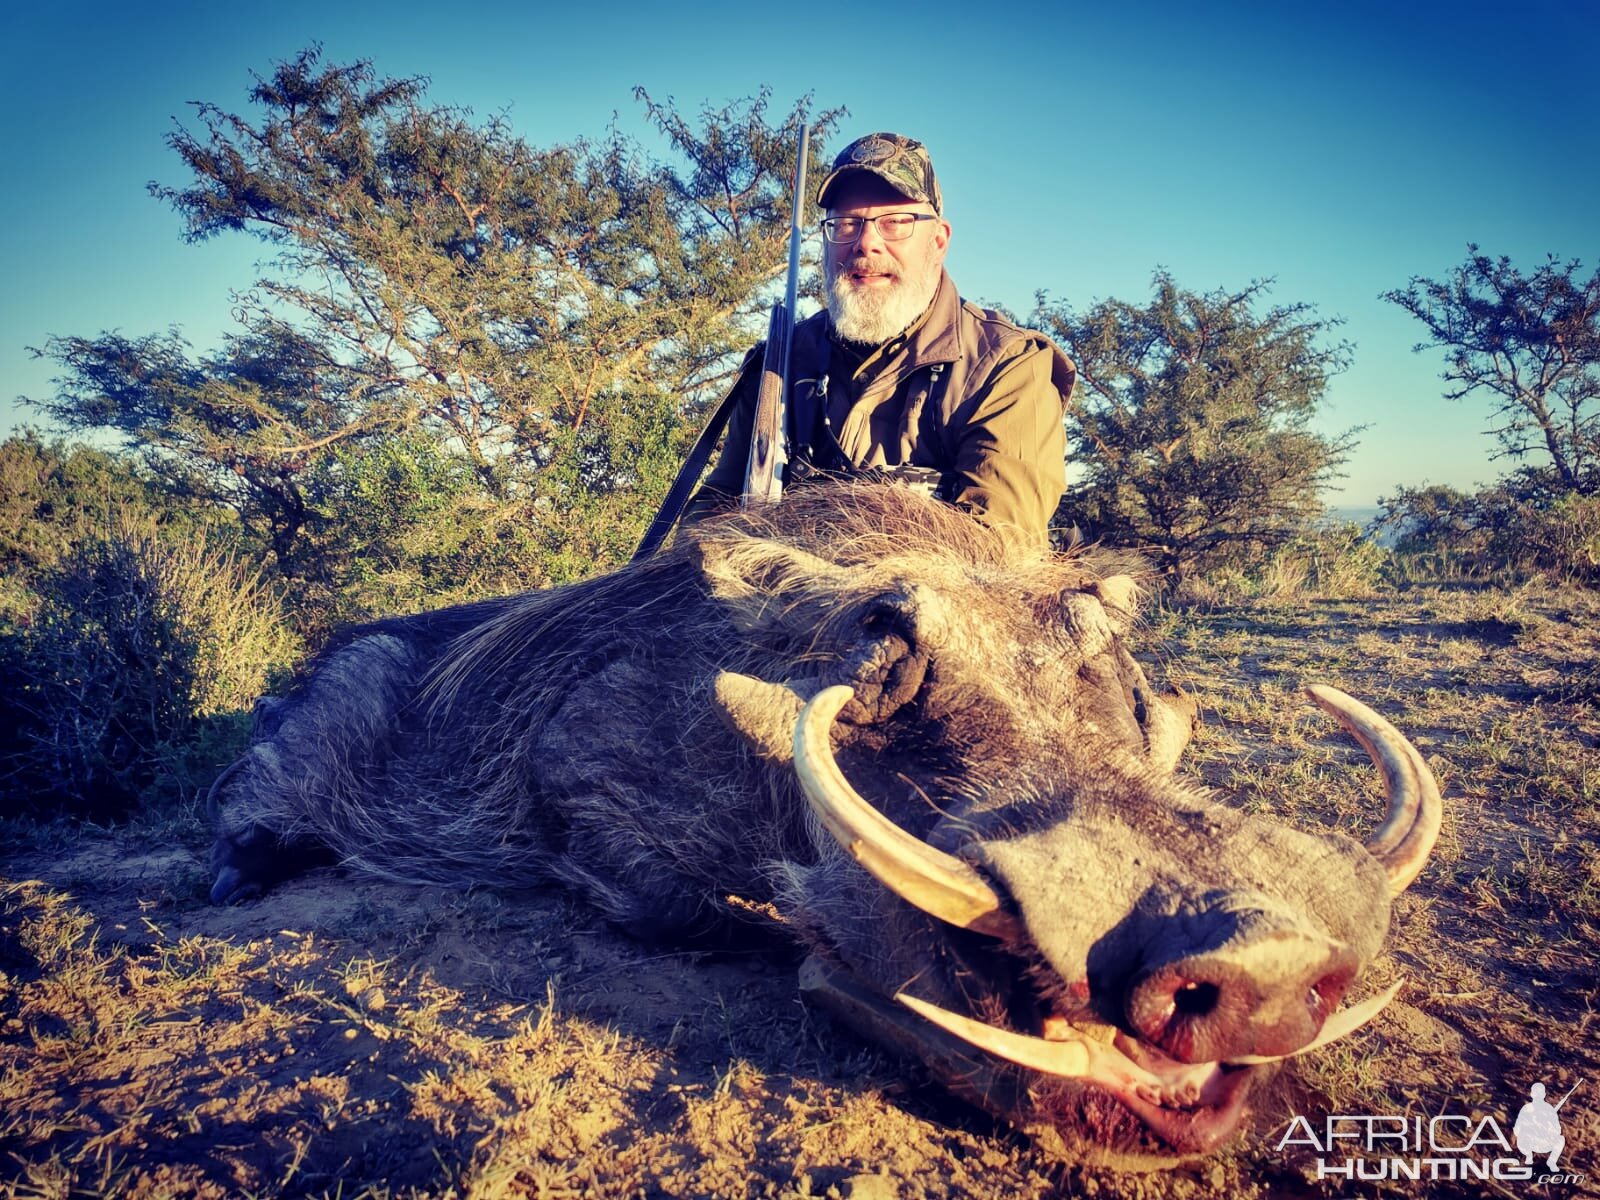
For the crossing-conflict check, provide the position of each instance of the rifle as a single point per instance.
(769, 452)
(764, 468)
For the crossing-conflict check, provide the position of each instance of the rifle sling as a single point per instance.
(689, 474)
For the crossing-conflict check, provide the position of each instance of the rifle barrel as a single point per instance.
(763, 475)
(796, 235)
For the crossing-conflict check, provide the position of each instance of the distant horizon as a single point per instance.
(1338, 153)
(1373, 509)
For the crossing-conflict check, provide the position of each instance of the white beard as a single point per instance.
(875, 314)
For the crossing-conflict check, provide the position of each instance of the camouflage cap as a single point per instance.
(899, 161)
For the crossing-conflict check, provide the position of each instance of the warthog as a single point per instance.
(1029, 900)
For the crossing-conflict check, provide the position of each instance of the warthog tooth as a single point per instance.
(1411, 826)
(940, 884)
(1077, 1058)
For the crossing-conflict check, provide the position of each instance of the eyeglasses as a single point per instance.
(891, 227)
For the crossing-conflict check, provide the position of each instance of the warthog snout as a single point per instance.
(1265, 987)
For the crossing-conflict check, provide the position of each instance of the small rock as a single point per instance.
(870, 1187)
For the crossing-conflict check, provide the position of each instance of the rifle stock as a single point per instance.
(763, 474)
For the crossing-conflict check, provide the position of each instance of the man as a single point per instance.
(901, 375)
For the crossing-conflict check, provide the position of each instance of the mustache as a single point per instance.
(863, 264)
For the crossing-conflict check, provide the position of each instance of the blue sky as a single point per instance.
(1339, 149)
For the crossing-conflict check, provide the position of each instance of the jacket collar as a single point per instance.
(936, 338)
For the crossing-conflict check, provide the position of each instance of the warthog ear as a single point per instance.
(1170, 721)
(762, 713)
(1094, 617)
(1120, 595)
(759, 579)
(1087, 621)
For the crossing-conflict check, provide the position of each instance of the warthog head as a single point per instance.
(931, 750)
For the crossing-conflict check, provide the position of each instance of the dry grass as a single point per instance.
(353, 1039)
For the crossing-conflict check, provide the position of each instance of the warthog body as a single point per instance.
(635, 737)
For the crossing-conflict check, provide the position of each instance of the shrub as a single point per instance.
(137, 652)
(1564, 537)
(1522, 525)
(1339, 561)
(54, 495)
(1196, 418)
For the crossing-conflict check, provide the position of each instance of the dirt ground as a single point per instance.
(345, 1037)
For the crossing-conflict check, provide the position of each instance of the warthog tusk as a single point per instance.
(1079, 1057)
(1406, 837)
(939, 884)
(1086, 1058)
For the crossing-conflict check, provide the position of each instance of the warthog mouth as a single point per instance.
(1183, 1109)
(1191, 1108)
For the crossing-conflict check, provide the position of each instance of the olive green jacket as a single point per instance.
(963, 392)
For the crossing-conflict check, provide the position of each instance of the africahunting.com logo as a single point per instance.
(1450, 1146)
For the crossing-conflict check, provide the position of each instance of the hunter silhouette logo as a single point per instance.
(1538, 1128)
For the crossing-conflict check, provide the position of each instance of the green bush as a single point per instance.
(133, 673)
(1521, 526)
(402, 524)
(54, 495)
(1564, 537)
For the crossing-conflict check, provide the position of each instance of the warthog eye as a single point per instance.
(887, 617)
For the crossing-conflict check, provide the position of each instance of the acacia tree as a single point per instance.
(240, 429)
(1192, 422)
(1533, 343)
(532, 311)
